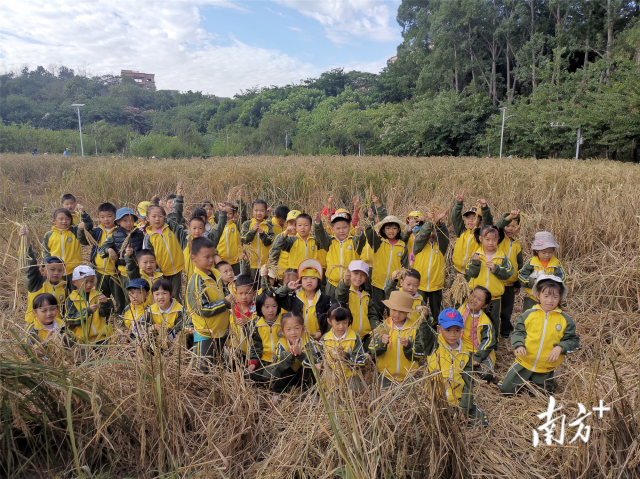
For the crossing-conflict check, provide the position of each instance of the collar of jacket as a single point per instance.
(302, 296)
(445, 345)
(349, 334)
(150, 231)
(55, 228)
(499, 254)
(399, 242)
(539, 308)
(37, 325)
(175, 308)
(362, 293)
(553, 262)
(263, 322)
(393, 325)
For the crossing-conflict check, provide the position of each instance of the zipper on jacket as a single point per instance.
(62, 245)
(169, 253)
(389, 263)
(429, 268)
(544, 330)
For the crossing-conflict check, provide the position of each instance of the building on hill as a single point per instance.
(146, 81)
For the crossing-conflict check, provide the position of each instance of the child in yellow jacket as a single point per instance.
(544, 261)
(46, 319)
(489, 267)
(543, 336)
(399, 348)
(510, 224)
(87, 309)
(259, 235)
(62, 240)
(297, 241)
(479, 336)
(265, 338)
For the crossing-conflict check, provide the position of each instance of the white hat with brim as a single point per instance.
(359, 265)
(400, 301)
(82, 271)
(310, 264)
(543, 240)
(564, 291)
(390, 220)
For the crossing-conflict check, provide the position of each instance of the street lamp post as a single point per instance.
(77, 106)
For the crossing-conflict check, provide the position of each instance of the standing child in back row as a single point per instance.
(544, 261)
(258, 234)
(510, 224)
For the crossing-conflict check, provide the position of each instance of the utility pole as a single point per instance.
(77, 106)
(578, 136)
(503, 109)
(286, 141)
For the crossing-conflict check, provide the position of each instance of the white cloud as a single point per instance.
(345, 19)
(161, 37)
(295, 29)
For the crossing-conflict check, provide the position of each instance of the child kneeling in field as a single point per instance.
(87, 309)
(543, 336)
(295, 355)
(447, 360)
(399, 348)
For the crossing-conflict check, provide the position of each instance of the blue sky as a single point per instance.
(215, 46)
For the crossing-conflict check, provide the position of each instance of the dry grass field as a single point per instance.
(127, 413)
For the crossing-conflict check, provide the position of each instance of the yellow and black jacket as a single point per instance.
(484, 335)
(363, 310)
(102, 264)
(513, 251)
(539, 332)
(534, 265)
(394, 361)
(387, 257)
(85, 326)
(480, 275)
(134, 272)
(284, 361)
(166, 247)
(228, 235)
(343, 355)
(241, 334)
(314, 314)
(207, 305)
(172, 319)
(392, 285)
(283, 259)
(36, 332)
(429, 258)
(465, 244)
(38, 284)
(264, 341)
(446, 365)
(260, 241)
(134, 318)
(339, 253)
(298, 249)
(65, 245)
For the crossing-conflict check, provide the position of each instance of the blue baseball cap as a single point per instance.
(138, 283)
(122, 212)
(450, 317)
(52, 260)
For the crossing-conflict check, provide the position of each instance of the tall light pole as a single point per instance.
(503, 109)
(77, 106)
(578, 136)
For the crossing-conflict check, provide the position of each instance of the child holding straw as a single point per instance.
(62, 240)
(257, 234)
(510, 224)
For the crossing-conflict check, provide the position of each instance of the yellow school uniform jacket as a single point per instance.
(485, 334)
(539, 333)
(207, 305)
(391, 286)
(65, 245)
(365, 318)
(169, 255)
(554, 267)
(37, 332)
(341, 253)
(240, 335)
(449, 363)
(311, 323)
(367, 256)
(171, 319)
(351, 344)
(283, 260)
(465, 246)
(259, 241)
(480, 275)
(134, 317)
(229, 247)
(298, 249)
(265, 340)
(388, 259)
(85, 326)
(512, 250)
(393, 360)
(284, 359)
(104, 265)
(429, 258)
(151, 279)
(59, 291)
(76, 217)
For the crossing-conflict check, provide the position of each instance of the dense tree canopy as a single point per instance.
(574, 63)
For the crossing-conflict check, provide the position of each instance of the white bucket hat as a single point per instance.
(82, 271)
(550, 277)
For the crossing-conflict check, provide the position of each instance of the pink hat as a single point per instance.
(359, 265)
(543, 240)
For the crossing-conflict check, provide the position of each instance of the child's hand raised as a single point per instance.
(460, 196)
(395, 274)
(295, 350)
(385, 338)
(128, 250)
(180, 190)
(81, 226)
(294, 285)
(317, 218)
(347, 278)
(239, 194)
(113, 255)
(80, 208)
(155, 198)
(422, 308)
(475, 257)
(230, 298)
(513, 215)
(370, 213)
(521, 351)
(24, 231)
(356, 203)
(554, 355)
(358, 230)
(482, 202)
(222, 206)
(264, 272)
(330, 200)
(491, 265)
(441, 215)
(290, 231)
